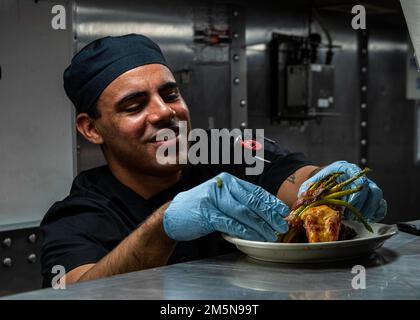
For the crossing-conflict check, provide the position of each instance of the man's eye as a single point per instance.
(172, 97)
(132, 108)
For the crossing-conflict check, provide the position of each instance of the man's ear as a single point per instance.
(86, 126)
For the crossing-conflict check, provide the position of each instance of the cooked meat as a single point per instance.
(318, 211)
(322, 224)
(308, 197)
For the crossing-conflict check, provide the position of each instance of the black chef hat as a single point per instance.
(103, 60)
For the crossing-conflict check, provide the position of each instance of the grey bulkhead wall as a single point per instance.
(391, 115)
(170, 24)
(392, 121)
(36, 122)
(335, 137)
(207, 92)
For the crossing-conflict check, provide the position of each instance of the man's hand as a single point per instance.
(369, 201)
(226, 204)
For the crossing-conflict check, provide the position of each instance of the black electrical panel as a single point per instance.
(302, 86)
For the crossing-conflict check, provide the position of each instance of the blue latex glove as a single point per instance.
(369, 201)
(237, 207)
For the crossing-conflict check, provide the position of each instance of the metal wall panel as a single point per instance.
(318, 140)
(20, 252)
(206, 86)
(390, 131)
(36, 124)
(392, 118)
(204, 78)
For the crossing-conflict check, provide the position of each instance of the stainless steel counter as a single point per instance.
(392, 272)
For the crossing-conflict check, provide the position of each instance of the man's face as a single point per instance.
(133, 108)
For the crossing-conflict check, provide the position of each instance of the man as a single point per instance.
(136, 213)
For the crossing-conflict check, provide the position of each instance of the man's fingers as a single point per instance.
(258, 199)
(268, 207)
(373, 202)
(252, 206)
(381, 211)
(242, 229)
(358, 199)
(263, 204)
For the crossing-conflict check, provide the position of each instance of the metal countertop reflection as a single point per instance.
(392, 272)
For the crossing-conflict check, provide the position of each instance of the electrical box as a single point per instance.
(310, 86)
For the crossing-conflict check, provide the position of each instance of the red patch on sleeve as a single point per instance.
(251, 144)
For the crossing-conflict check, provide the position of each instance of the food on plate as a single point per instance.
(317, 214)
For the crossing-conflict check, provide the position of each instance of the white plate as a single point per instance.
(364, 243)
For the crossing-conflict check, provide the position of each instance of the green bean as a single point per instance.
(327, 182)
(279, 236)
(340, 194)
(219, 182)
(332, 180)
(358, 215)
(299, 210)
(341, 185)
(290, 235)
(313, 204)
(315, 185)
(332, 196)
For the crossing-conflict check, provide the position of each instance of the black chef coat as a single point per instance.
(100, 212)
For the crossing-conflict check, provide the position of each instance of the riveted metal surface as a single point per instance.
(238, 73)
(363, 39)
(20, 268)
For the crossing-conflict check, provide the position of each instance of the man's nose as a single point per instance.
(160, 111)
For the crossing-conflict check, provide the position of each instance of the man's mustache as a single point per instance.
(165, 129)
